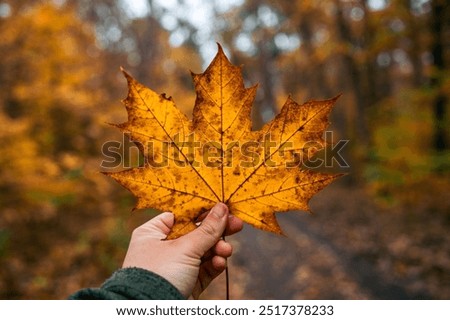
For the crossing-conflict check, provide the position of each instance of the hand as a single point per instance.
(190, 262)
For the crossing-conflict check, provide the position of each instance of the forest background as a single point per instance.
(381, 232)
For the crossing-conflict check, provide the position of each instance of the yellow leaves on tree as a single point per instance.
(216, 157)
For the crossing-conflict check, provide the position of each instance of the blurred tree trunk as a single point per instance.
(147, 33)
(315, 74)
(356, 114)
(377, 83)
(413, 32)
(266, 76)
(357, 130)
(438, 18)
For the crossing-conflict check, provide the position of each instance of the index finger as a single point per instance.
(234, 224)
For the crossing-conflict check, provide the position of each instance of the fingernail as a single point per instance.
(219, 211)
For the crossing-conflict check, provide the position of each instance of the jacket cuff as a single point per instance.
(132, 284)
(138, 283)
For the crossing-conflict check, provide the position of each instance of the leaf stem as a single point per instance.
(227, 279)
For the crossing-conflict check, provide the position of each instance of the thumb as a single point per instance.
(210, 231)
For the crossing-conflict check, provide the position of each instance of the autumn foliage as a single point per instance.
(380, 232)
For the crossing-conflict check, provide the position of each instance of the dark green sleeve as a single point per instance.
(133, 284)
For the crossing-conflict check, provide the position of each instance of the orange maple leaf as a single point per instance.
(216, 157)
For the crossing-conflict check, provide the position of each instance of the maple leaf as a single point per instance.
(216, 157)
